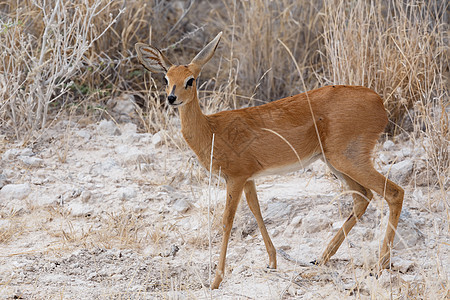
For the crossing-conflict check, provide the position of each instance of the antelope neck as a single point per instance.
(195, 127)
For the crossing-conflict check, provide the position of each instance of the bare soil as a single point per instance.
(106, 212)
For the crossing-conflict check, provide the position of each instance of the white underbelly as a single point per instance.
(284, 169)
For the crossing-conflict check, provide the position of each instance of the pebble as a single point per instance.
(78, 209)
(408, 235)
(32, 161)
(26, 152)
(124, 104)
(277, 210)
(274, 232)
(399, 172)
(85, 196)
(127, 193)
(181, 206)
(404, 152)
(315, 222)
(384, 158)
(15, 191)
(132, 155)
(10, 154)
(108, 127)
(129, 128)
(388, 145)
(13, 153)
(84, 134)
(296, 221)
(157, 139)
(2, 180)
(417, 195)
(129, 135)
(337, 225)
(402, 265)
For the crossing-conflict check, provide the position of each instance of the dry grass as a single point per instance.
(11, 228)
(74, 58)
(79, 56)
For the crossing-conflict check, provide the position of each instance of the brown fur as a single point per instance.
(339, 124)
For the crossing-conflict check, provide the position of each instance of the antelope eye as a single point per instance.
(189, 82)
(165, 81)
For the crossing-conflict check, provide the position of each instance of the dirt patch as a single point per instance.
(106, 212)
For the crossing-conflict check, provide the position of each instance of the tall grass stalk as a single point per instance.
(209, 217)
(37, 71)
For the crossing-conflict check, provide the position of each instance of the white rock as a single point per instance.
(107, 168)
(296, 221)
(132, 138)
(315, 222)
(406, 151)
(31, 161)
(2, 180)
(145, 138)
(156, 139)
(384, 158)
(402, 265)
(337, 225)
(26, 152)
(131, 155)
(239, 269)
(84, 134)
(417, 195)
(129, 128)
(129, 135)
(127, 193)
(274, 232)
(388, 145)
(292, 290)
(124, 104)
(408, 235)
(276, 210)
(10, 154)
(181, 205)
(13, 153)
(400, 171)
(15, 191)
(9, 173)
(108, 128)
(78, 209)
(85, 196)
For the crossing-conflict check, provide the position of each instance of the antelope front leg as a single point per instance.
(252, 200)
(234, 191)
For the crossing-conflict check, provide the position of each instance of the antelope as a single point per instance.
(337, 124)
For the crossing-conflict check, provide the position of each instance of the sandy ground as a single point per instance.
(101, 211)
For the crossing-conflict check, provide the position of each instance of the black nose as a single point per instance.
(172, 98)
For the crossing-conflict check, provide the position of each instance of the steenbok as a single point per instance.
(338, 124)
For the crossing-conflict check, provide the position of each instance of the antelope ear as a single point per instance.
(152, 59)
(206, 53)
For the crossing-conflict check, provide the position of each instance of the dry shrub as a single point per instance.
(400, 50)
(396, 48)
(40, 59)
(81, 54)
(255, 60)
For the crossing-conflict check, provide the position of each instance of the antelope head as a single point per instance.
(180, 80)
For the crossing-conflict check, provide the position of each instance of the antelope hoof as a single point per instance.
(217, 280)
